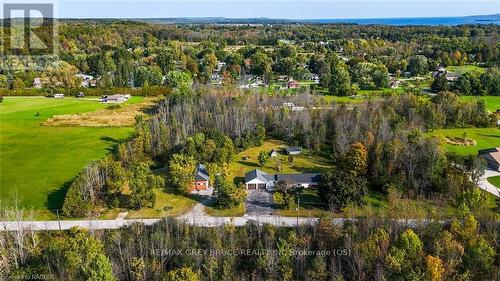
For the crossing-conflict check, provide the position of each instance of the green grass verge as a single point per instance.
(485, 138)
(492, 102)
(237, 211)
(37, 163)
(495, 181)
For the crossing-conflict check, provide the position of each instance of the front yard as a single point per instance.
(167, 204)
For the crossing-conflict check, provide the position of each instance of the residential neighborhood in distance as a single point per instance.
(210, 140)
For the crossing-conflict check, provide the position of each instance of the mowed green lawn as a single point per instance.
(495, 181)
(485, 138)
(492, 102)
(37, 163)
(466, 68)
(302, 163)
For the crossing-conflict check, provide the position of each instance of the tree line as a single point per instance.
(171, 250)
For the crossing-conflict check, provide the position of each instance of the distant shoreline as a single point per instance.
(417, 21)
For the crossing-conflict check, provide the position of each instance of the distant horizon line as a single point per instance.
(268, 18)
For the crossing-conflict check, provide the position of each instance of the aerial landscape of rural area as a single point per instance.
(250, 140)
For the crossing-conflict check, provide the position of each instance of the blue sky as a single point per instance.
(313, 9)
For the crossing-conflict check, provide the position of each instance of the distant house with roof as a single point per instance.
(37, 83)
(87, 80)
(492, 157)
(257, 179)
(293, 84)
(201, 178)
(293, 150)
(450, 76)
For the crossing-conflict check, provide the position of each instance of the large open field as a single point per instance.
(492, 102)
(485, 138)
(38, 162)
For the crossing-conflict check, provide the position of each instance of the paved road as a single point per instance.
(484, 184)
(258, 203)
(205, 221)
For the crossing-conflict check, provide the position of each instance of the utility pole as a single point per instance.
(58, 219)
(298, 208)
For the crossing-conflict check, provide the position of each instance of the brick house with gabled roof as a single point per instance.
(201, 178)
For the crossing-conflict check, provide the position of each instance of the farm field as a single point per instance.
(485, 138)
(37, 163)
(492, 102)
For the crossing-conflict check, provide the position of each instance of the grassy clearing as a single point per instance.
(492, 102)
(115, 115)
(466, 68)
(495, 181)
(363, 95)
(485, 138)
(38, 162)
(302, 163)
(167, 204)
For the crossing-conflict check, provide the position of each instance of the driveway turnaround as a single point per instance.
(258, 203)
(486, 185)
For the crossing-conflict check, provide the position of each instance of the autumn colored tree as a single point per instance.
(181, 169)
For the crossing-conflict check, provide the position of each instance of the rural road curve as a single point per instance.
(485, 185)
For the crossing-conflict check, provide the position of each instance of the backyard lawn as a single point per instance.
(37, 163)
(301, 163)
(492, 102)
(485, 138)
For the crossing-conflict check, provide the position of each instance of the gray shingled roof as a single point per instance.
(258, 174)
(293, 148)
(288, 178)
(299, 178)
(201, 173)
